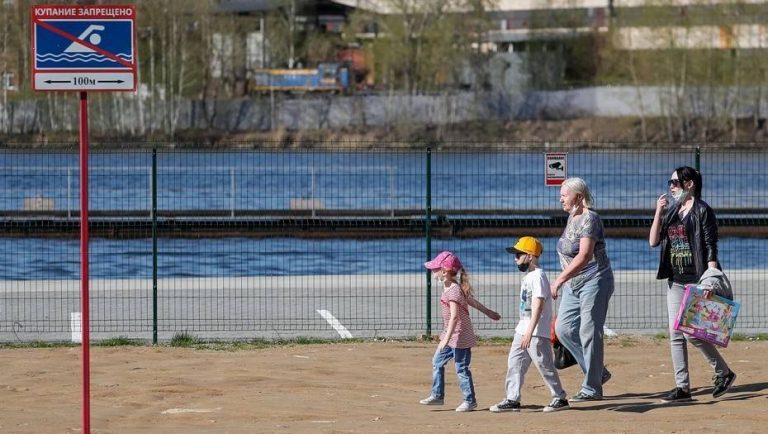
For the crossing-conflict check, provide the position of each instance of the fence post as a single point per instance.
(697, 158)
(154, 246)
(428, 234)
(232, 191)
(69, 192)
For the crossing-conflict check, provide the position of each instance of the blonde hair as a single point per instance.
(465, 284)
(579, 186)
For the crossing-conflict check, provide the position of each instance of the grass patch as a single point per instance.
(187, 340)
(628, 341)
(755, 337)
(258, 344)
(497, 340)
(119, 341)
(184, 340)
(38, 344)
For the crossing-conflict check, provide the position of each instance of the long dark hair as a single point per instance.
(685, 174)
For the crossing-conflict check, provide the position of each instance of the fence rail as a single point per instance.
(258, 243)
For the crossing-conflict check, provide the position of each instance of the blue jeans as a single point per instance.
(462, 357)
(579, 328)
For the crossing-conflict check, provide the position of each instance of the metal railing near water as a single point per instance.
(235, 244)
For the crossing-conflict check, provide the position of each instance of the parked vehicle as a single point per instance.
(327, 77)
(360, 67)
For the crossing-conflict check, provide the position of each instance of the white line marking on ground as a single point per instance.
(340, 329)
(610, 333)
(190, 410)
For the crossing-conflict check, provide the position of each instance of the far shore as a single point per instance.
(592, 133)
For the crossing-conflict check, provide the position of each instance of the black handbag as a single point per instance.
(563, 357)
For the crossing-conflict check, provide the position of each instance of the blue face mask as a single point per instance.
(679, 195)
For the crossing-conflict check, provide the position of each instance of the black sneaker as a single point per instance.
(557, 404)
(722, 384)
(677, 395)
(581, 396)
(506, 405)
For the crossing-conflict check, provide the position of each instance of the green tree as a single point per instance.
(423, 46)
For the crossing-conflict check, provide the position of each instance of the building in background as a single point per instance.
(690, 24)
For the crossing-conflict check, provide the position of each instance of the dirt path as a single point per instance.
(358, 387)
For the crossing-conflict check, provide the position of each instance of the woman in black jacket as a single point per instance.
(687, 233)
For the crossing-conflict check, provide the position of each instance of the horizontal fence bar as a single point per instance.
(115, 227)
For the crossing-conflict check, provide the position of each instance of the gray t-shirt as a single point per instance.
(586, 225)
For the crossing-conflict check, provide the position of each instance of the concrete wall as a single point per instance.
(125, 114)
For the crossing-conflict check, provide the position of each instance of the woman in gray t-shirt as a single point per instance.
(587, 271)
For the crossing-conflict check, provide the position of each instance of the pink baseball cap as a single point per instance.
(444, 260)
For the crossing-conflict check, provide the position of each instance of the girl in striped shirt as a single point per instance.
(458, 335)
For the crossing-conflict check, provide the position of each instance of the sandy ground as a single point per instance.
(358, 387)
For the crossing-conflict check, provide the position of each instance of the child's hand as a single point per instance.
(441, 345)
(493, 315)
(526, 342)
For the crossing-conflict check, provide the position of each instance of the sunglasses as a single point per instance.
(675, 182)
(519, 255)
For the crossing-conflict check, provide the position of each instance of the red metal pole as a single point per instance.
(84, 305)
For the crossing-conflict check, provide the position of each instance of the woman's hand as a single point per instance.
(554, 287)
(661, 203)
(493, 315)
(654, 237)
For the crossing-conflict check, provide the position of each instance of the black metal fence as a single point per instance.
(273, 243)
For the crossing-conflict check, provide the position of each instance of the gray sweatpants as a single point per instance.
(677, 342)
(540, 352)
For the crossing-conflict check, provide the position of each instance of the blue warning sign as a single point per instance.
(83, 47)
(55, 51)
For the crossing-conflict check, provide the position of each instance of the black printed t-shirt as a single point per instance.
(680, 255)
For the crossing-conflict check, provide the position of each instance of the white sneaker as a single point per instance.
(466, 406)
(431, 400)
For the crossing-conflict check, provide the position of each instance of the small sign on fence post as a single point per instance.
(555, 168)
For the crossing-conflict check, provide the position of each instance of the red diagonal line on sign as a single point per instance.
(72, 38)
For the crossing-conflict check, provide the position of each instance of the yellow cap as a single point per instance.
(528, 245)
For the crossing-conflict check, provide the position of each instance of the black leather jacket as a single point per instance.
(702, 237)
